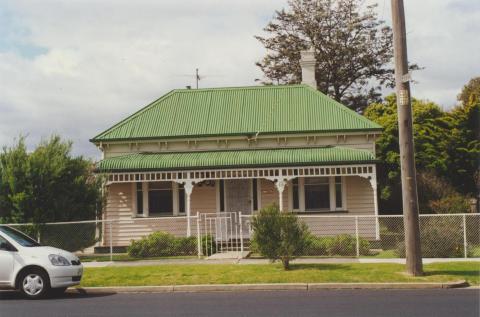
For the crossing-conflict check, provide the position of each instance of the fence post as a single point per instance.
(241, 231)
(465, 249)
(357, 236)
(111, 241)
(39, 234)
(199, 238)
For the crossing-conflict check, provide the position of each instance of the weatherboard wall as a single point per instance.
(126, 226)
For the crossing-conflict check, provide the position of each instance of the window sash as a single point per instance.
(331, 190)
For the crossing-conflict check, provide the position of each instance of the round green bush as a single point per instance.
(160, 244)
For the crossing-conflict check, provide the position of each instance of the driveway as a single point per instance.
(331, 303)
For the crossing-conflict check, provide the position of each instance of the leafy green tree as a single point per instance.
(430, 129)
(353, 48)
(463, 146)
(47, 185)
(279, 235)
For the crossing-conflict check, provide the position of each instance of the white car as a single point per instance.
(34, 269)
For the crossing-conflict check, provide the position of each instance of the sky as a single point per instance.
(76, 67)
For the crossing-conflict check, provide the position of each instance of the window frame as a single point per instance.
(332, 195)
(144, 194)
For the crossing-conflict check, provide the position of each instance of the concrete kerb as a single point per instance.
(263, 287)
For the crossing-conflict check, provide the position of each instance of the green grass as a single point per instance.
(384, 254)
(273, 273)
(126, 257)
(475, 251)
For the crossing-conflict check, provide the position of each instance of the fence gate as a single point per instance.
(220, 232)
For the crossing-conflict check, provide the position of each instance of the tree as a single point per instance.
(463, 147)
(430, 130)
(353, 49)
(447, 151)
(47, 185)
(279, 235)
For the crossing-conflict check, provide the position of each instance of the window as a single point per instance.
(295, 198)
(338, 192)
(317, 193)
(255, 194)
(139, 198)
(222, 195)
(181, 199)
(19, 237)
(160, 198)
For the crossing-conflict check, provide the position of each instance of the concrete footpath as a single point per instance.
(265, 261)
(263, 287)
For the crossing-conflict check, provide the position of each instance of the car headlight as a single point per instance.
(58, 260)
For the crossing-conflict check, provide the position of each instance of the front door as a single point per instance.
(239, 195)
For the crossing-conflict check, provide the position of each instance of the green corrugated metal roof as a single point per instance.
(234, 158)
(238, 111)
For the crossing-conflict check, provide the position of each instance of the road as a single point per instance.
(331, 303)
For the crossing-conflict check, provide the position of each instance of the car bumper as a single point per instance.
(65, 276)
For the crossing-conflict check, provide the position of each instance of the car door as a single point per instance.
(6, 261)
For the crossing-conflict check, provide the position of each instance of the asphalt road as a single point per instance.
(331, 303)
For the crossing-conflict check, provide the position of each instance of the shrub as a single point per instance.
(70, 237)
(341, 245)
(209, 246)
(186, 246)
(346, 245)
(390, 240)
(160, 244)
(279, 235)
(440, 238)
(318, 245)
(453, 204)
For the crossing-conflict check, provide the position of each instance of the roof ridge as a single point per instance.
(343, 107)
(240, 88)
(135, 114)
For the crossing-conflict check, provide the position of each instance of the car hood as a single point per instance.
(46, 250)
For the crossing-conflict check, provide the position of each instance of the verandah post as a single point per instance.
(280, 187)
(188, 191)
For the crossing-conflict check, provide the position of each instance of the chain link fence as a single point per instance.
(442, 236)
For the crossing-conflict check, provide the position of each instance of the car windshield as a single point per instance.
(19, 237)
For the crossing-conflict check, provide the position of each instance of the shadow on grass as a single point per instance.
(318, 266)
(463, 273)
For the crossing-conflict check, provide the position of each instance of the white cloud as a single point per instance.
(91, 63)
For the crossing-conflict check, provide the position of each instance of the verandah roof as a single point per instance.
(235, 158)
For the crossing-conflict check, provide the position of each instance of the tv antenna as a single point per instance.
(198, 77)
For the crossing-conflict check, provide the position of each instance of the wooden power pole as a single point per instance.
(405, 130)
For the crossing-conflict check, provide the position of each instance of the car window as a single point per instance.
(19, 237)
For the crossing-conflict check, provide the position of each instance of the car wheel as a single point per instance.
(34, 284)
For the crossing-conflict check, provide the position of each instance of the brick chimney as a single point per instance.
(307, 62)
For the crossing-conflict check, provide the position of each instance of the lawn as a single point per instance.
(273, 273)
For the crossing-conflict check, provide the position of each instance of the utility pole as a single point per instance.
(414, 264)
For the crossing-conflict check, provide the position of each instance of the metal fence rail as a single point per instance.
(442, 236)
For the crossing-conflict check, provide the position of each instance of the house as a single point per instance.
(220, 150)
